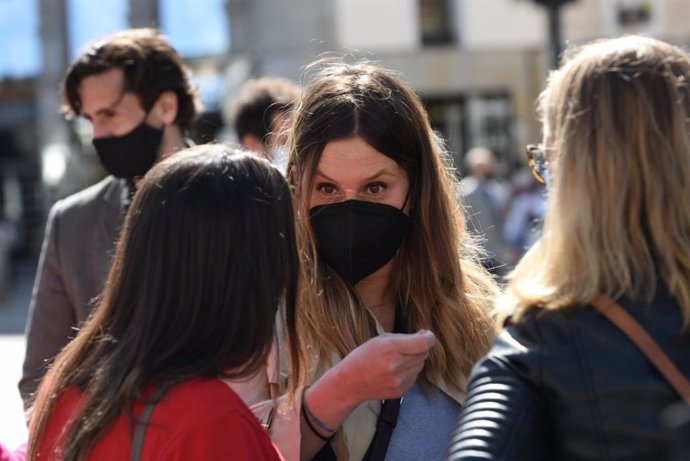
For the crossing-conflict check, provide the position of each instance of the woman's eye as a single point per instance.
(376, 188)
(326, 188)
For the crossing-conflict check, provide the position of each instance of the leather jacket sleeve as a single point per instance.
(505, 416)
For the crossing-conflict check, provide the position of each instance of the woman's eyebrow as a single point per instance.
(382, 172)
(379, 173)
(325, 176)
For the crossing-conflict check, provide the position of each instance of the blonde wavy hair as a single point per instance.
(438, 282)
(616, 122)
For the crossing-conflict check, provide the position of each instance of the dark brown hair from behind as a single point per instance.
(207, 255)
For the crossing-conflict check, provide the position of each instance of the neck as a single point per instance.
(378, 297)
(172, 141)
(384, 314)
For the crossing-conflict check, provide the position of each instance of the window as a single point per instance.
(633, 13)
(635, 17)
(447, 117)
(467, 121)
(491, 120)
(436, 24)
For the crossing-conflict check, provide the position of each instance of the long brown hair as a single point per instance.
(206, 255)
(617, 118)
(438, 282)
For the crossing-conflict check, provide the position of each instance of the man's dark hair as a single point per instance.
(150, 65)
(258, 101)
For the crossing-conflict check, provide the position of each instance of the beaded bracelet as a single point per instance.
(308, 416)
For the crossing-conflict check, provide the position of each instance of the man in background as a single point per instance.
(135, 91)
(260, 116)
(484, 199)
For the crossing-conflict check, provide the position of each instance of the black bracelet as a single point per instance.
(307, 417)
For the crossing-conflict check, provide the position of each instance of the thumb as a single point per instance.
(428, 336)
(417, 343)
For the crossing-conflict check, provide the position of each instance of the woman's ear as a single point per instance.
(166, 107)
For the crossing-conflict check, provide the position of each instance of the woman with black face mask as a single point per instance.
(395, 305)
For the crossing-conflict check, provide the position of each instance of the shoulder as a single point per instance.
(523, 345)
(68, 402)
(216, 423)
(202, 395)
(202, 400)
(552, 325)
(106, 192)
(67, 405)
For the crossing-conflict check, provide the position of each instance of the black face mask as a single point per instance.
(132, 154)
(356, 238)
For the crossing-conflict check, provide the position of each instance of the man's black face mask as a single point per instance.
(132, 154)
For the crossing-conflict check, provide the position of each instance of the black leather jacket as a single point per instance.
(568, 385)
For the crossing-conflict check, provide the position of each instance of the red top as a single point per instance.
(199, 419)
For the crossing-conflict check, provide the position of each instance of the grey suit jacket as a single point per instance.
(80, 237)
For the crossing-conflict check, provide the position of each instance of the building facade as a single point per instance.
(479, 65)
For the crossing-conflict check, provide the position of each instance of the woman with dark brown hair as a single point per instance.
(206, 256)
(395, 303)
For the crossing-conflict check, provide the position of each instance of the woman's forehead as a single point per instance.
(353, 158)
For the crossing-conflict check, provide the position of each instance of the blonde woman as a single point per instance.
(394, 304)
(562, 382)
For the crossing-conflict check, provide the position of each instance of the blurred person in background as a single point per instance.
(525, 213)
(484, 199)
(207, 254)
(260, 115)
(562, 381)
(136, 92)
